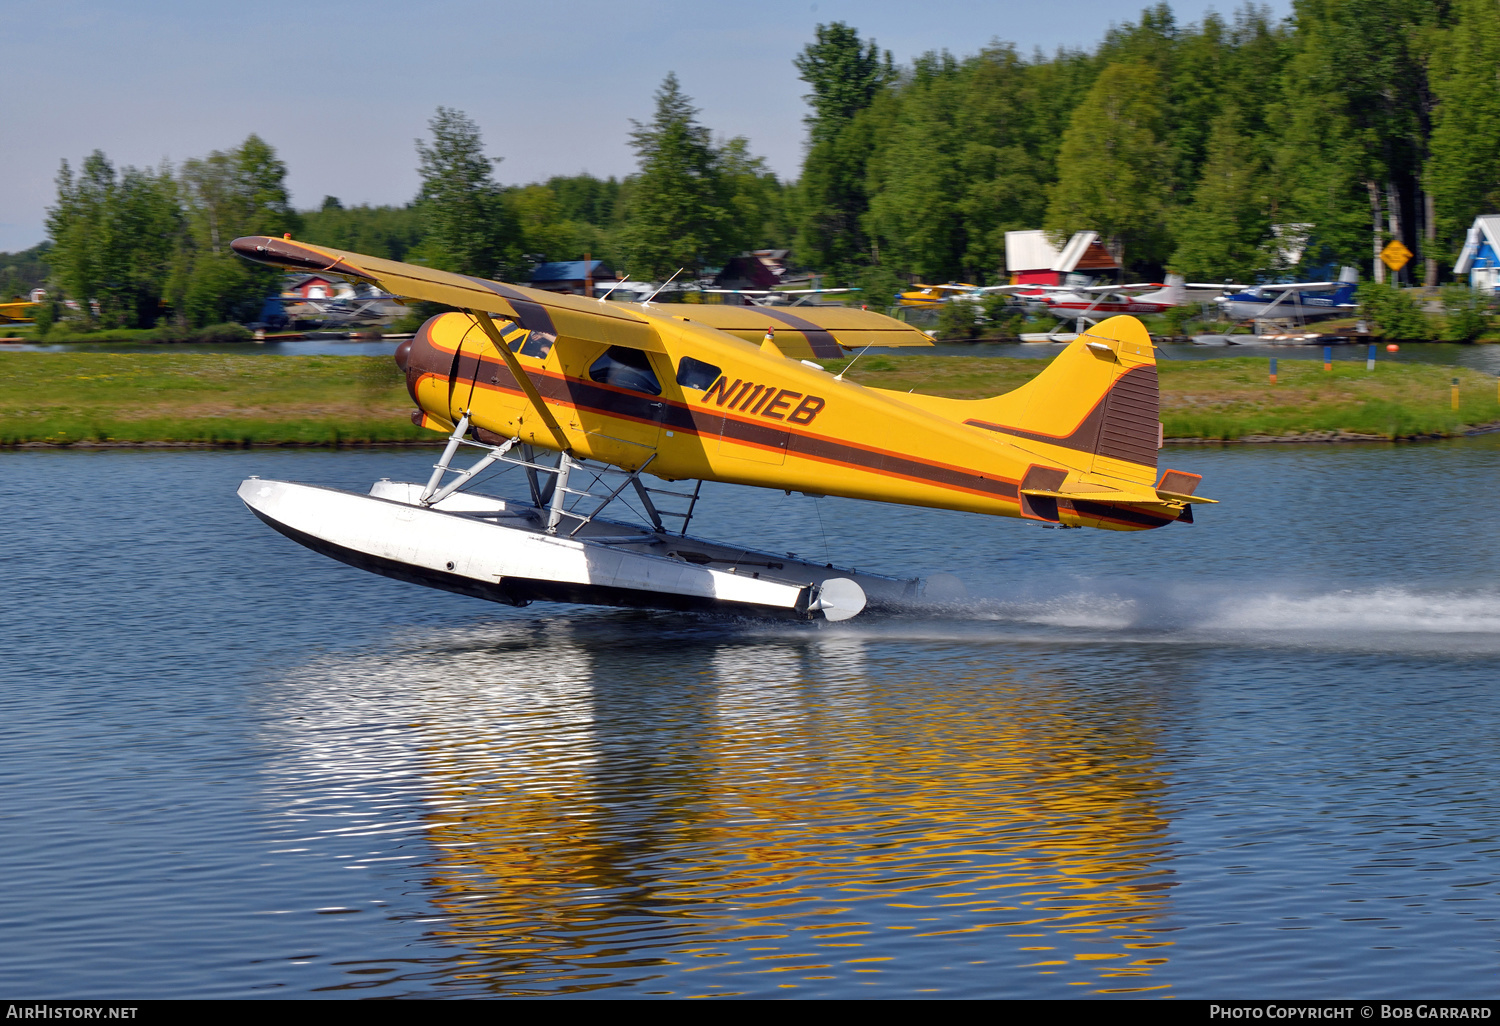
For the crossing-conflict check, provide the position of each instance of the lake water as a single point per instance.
(1253, 757)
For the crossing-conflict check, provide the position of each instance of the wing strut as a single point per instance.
(522, 378)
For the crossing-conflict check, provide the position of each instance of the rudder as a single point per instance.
(1099, 398)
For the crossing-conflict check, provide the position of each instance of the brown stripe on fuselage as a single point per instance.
(425, 357)
(711, 422)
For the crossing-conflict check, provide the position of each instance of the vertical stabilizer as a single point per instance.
(1097, 405)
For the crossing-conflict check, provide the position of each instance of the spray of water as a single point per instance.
(1279, 615)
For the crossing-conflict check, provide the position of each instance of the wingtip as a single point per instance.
(292, 255)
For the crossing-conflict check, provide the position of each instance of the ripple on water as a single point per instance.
(1252, 756)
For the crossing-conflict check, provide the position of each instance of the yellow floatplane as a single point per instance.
(568, 387)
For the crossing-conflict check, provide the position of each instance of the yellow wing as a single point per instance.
(802, 332)
(811, 331)
(551, 312)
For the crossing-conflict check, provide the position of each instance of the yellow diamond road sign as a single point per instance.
(1395, 255)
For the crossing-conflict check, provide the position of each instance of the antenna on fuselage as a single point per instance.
(623, 279)
(840, 375)
(665, 284)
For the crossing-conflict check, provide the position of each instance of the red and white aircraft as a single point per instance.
(1069, 303)
(1085, 305)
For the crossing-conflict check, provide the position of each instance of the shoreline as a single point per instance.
(103, 401)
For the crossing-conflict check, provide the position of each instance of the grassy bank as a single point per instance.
(59, 335)
(233, 400)
(1233, 399)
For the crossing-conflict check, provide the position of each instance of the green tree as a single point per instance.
(1223, 232)
(1463, 174)
(75, 225)
(1393, 310)
(1112, 174)
(1467, 313)
(845, 74)
(114, 235)
(388, 232)
(1357, 121)
(1004, 177)
(756, 199)
(914, 215)
(588, 199)
(470, 229)
(228, 194)
(546, 231)
(678, 215)
(21, 272)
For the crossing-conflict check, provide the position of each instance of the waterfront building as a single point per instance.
(1480, 258)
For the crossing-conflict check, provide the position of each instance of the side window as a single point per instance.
(537, 344)
(693, 373)
(625, 368)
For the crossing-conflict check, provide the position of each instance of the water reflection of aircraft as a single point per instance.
(1297, 301)
(580, 804)
(720, 393)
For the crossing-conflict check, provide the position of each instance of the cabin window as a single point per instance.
(693, 373)
(534, 343)
(626, 368)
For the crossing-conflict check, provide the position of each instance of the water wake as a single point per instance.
(1378, 618)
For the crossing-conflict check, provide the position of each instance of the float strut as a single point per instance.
(458, 482)
(442, 464)
(559, 492)
(641, 490)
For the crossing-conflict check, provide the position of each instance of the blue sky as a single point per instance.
(342, 89)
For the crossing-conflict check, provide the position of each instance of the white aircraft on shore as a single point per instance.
(1086, 305)
(1297, 301)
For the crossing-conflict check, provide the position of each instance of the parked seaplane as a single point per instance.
(570, 389)
(1298, 301)
(933, 296)
(775, 297)
(1085, 305)
(18, 311)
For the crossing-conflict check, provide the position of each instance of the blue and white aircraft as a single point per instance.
(1300, 301)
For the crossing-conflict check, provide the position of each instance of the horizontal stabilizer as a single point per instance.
(1116, 495)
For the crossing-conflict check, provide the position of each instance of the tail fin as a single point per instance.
(1098, 400)
(1175, 291)
(1348, 283)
